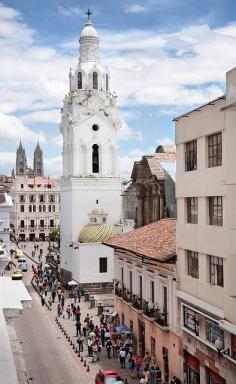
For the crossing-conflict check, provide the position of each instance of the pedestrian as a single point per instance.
(99, 378)
(95, 353)
(114, 347)
(132, 367)
(91, 324)
(159, 378)
(138, 363)
(63, 302)
(53, 296)
(68, 311)
(50, 303)
(90, 343)
(77, 313)
(102, 332)
(84, 327)
(146, 360)
(74, 311)
(108, 347)
(78, 328)
(59, 292)
(153, 362)
(122, 355)
(153, 375)
(107, 334)
(43, 299)
(80, 342)
(75, 295)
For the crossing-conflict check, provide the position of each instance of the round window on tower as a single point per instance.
(95, 127)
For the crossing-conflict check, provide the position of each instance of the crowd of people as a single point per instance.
(93, 338)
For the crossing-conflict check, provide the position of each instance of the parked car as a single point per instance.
(17, 275)
(22, 259)
(23, 267)
(111, 376)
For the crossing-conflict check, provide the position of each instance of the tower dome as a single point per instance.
(88, 30)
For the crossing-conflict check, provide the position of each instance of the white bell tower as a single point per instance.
(89, 125)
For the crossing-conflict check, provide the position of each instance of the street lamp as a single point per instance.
(219, 344)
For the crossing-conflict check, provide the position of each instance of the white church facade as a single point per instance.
(90, 186)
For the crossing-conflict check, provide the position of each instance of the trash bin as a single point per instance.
(92, 302)
(100, 309)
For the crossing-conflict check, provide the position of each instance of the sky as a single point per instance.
(165, 57)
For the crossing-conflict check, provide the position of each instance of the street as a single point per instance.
(48, 358)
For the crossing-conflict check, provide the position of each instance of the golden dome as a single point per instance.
(96, 233)
(98, 211)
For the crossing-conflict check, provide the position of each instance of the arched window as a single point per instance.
(80, 82)
(95, 80)
(51, 223)
(53, 208)
(34, 208)
(30, 208)
(44, 208)
(107, 84)
(49, 208)
(22, 224)
(40, 208)
(95, 158)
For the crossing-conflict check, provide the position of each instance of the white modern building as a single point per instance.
(206, 239)
(5, 212)
(36, 207)
(89, 125)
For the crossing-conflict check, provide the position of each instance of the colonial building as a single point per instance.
(5, 183)
(5, 211)
(36, 209)
(206, 241)
(151, 196)
(22, 169)
(145, 275)
(89, 125)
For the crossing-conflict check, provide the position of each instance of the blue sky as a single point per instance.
(165, 57)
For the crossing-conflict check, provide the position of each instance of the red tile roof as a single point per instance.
(156, 240)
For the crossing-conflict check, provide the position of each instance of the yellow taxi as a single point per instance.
(17, 275)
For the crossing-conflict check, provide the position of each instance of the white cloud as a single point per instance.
(7, 159)
(53, 166)
(126, 162)
(70, 11)
(57, 140)
(12, 130)
(50, 116)
(128, 133)
(136, 8)
(165, 141)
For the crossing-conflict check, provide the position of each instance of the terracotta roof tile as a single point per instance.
(156, 240)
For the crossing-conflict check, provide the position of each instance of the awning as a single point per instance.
(72, 282)
(123, 329)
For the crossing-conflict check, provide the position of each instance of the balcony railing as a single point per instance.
(161, 317)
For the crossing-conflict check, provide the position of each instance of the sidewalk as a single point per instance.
(70, 329)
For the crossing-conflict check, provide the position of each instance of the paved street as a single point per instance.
(48, 357)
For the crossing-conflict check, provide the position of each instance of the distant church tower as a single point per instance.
(38, 161)
(89, 125)
(21, 161)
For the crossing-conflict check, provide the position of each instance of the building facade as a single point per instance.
(5, 183)
(145, 275)
(206, 241)
(36, 207)
(89, 125)
(151, 195)
(5, 212)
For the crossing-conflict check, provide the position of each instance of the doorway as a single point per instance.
(32, 236)
(42, 236)
(141, 338)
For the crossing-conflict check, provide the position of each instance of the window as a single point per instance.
(51, 198)
(152, 294)
(51, 223)
(22, 198)
(141, 286)
(95, 158)
(192, 263)
(30, 208)
(95, 80)
(216, 210)
(44, 208)
(32, 223)
(34, 208)
(80, 80)
(122, 318)
(191, 156)
(95, 127)
(103, 264)
(191, 320)
(53, 208)
(22, 224)
(192, 210)
(213, 331)
(130, 281)
(104, 219)
(22, 185)
(42, 198)
(40, 208)
(107, 83)
(49, 208)
(32, 198)
(22, 208)
(122, 275)
(215, 150)
(216, 270)
(42, 223)
(93, 220)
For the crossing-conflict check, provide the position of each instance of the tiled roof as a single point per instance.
(156, 240)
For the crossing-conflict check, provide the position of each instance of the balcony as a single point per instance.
(161, 318)
(123, 292)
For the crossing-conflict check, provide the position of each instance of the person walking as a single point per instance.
(90, 344)
(53, 296)
(63, 302)
(95, 353)
(122, 355)
(146, 360)
(102, 333)
(80, 342)
(59, 292)
(78, 328)
(99, 378)
(132, 367)
(84, 327)
(50, 303)
(153, 375)
(114, 347)
(138, 363)
(68, 311)
(43, 299)
(159, 376)
(108, 348)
